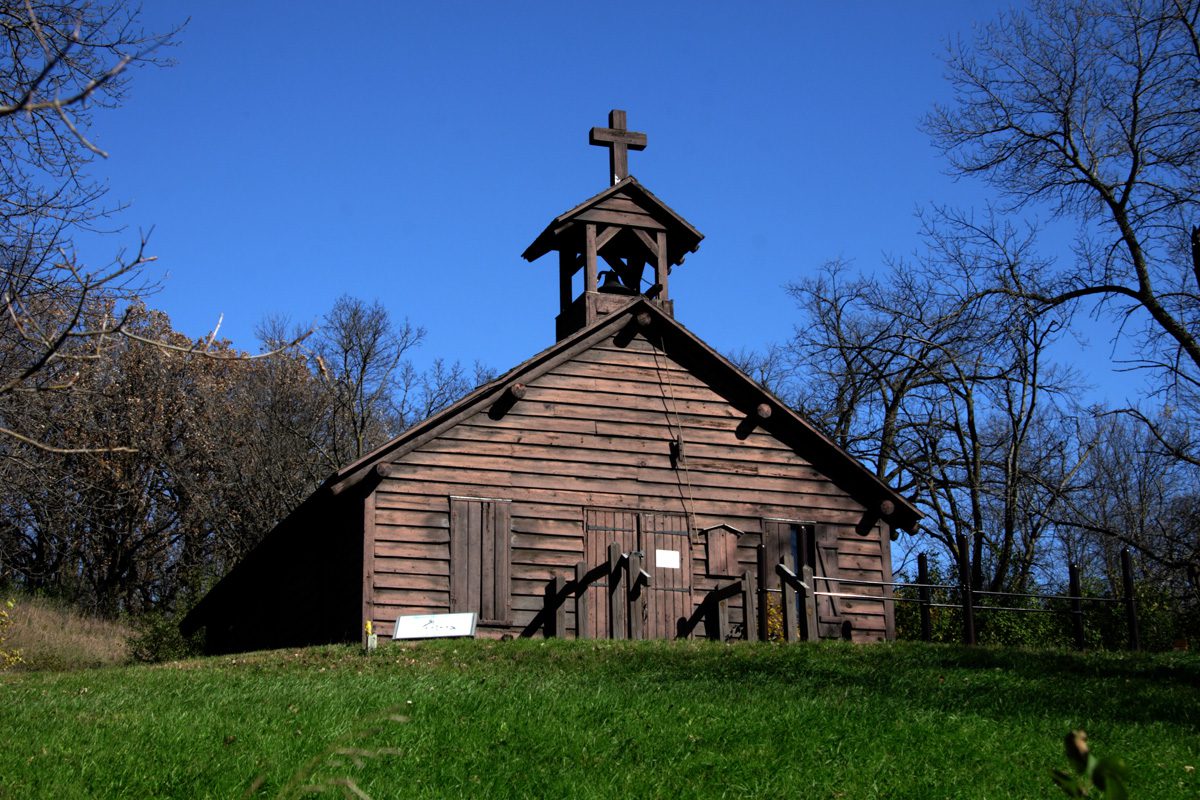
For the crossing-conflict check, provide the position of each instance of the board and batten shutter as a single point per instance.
(825, 556)
(480, 558)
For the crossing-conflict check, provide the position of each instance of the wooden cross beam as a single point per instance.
(618, 141)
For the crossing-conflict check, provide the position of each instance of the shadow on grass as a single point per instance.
(994, 683)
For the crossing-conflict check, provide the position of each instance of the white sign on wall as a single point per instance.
(666, 559)
(434, 626)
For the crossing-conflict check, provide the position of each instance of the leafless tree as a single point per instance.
(365, 361)
(60, 61)
(944, 389)
(1093, 107)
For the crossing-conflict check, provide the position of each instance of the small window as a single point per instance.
(480, 534)
(720, 547)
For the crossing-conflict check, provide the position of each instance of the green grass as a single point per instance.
(603, 719)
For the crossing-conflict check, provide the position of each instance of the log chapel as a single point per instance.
(628, 430)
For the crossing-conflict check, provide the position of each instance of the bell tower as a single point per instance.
(637, 237)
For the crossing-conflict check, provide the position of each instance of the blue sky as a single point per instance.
(409, 152)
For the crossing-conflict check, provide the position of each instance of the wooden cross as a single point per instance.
(618, 141)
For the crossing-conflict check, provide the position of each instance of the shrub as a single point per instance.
(157, 638)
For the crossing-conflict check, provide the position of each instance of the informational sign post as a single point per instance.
(435, 626)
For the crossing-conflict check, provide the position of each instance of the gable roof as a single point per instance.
(685, 347)
(682, 238)
(681, 344)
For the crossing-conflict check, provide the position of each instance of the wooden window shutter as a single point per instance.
(480, 558)
(829, 609)
(720, 549)
(778, 539)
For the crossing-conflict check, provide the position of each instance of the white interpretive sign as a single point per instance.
(666, 559)
(433, 626)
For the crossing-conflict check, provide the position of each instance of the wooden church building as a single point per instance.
(628, 430)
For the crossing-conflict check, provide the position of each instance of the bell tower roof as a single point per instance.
(627, 204)
(627, 228)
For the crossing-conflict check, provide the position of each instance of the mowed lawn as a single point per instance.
(600, 719)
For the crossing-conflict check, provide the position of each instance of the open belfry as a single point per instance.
(626, 482)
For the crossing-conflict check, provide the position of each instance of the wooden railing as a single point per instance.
(714, 613)
(627, 581)
(625, 598)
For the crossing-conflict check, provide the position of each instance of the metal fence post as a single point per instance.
(1076, 592)
(1131, 620)
(964, 582)
(923, 593)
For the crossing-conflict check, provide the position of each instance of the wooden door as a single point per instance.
(602, 527)
(668, 547)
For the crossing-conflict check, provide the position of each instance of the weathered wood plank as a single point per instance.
(664, 484)
(401, 549)
(413, 566)
(624, 452)
(387, 579)
(627, 218)
(619, 203)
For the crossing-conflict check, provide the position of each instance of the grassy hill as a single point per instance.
(600, 719)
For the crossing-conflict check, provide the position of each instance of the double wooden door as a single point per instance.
(664, 541)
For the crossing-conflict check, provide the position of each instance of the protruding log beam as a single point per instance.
(871, 517)
(508, 398)
(760, 414)
(640, 323)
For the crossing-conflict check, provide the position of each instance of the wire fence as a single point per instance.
(963, 598)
